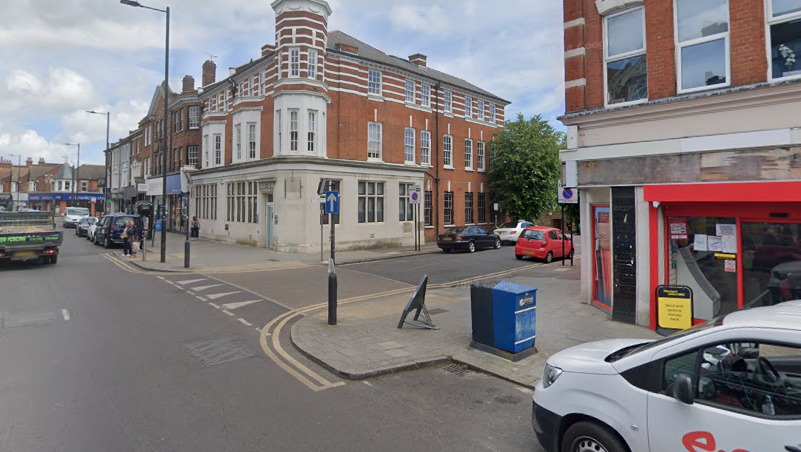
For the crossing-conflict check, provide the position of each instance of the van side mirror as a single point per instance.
(682, 389)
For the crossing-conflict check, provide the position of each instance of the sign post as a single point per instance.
(414, 198)
(332, 208)
(567, 196)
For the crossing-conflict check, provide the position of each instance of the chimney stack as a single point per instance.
(267, 49)
(189, 84)
(29, 161)
(231, 71)
(209, 73)
(41, 160)
(418, 59)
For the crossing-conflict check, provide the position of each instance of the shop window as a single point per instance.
(703, 256)
(785, 38)
(602, 263)
(771, 263)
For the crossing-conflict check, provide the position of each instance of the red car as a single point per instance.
(543, 243)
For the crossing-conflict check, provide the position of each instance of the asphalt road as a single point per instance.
(98, 359)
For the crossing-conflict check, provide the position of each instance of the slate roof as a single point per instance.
(92, 172)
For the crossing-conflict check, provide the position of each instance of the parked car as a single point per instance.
(90, 231)
(72, 216)
(733, 384)
(543, 243)
(510, 232)
(109, 231)
(469, 238)
(82, 229)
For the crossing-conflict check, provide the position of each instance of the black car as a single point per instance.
(83, 226)
(109, 230)
(469, 238)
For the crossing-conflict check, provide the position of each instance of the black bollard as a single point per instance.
(332, 298)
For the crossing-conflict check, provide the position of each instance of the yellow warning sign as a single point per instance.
(675, 307)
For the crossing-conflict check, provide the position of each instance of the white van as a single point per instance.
(732, 384)
(72, 216)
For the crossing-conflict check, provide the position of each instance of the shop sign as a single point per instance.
(674, 307)
(678, 228)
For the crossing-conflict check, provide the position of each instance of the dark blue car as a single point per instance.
(109, 231)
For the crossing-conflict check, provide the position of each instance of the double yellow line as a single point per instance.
(275, 351)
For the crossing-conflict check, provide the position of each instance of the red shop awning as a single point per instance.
(767, 192)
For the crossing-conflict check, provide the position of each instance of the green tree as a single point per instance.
(524, 167)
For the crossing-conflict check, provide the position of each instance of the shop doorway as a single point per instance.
(602, 259)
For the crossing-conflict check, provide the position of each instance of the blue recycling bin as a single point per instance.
(504, 316)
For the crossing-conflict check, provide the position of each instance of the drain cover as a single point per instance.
(211, 352)
(456, 369)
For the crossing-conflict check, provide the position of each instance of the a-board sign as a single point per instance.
(674, 307)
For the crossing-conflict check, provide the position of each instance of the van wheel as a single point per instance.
(107, 243)
(591, 437)
(549, 257)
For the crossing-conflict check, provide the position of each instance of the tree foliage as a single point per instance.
(524, 167)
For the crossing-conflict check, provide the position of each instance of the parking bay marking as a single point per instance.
(220, 295)
(232, 306)
(190, 281)
(202, 288)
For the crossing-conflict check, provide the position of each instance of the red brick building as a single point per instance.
(324, 105)
(685, 140)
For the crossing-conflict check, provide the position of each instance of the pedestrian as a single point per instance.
(126, 244)
(132, 237)
(195, 228)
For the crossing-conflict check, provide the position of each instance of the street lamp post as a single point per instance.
(166, 124)
(76, 175)
(108, 126)
(19, 169)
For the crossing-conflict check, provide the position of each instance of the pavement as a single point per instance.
(366, 341)
(210, 257)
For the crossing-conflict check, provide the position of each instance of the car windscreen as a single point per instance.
(639, 348)
(509, 225)
(77, 211)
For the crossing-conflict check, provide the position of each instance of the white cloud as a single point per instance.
(429, 19)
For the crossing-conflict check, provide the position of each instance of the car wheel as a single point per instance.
(107, 243)
(497, 244)
(471, 247)
(446, 250)
(549, 257)
(519, 257)
(591, 437)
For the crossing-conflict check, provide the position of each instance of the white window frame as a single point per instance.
(192, 155)
(492, 113)
(405, 206)
(623, 56)
(312, 69)
(374, 82)
(294, 129)
(468, 154)
(468, 107)
(279, 133)
(411, 88)
(238, 141)
(252, 143)
(375, 127)
(447, 151)
(207, 151)
(409, 145)
(294, 62)
(481, 106)
(702, 40)
(425, 95)
(255, 84)
(771, 21)
(447, 99)
(194, 121)
(425, 148)
(217, 149)
(311, 137)
(481, 163)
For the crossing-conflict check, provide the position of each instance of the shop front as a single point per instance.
(56, 203)
(736, 245)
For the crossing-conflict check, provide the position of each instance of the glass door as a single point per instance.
(771, 263)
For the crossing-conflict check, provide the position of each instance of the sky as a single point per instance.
(64, 57)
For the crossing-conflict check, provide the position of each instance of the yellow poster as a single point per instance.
(675, 307)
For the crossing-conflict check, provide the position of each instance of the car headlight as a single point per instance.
(550, 375)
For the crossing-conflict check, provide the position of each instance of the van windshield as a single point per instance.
(78, 211)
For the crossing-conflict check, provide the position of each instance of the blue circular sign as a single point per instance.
(567, 193)
(415, 196)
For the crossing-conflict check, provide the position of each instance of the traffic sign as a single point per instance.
(332, 202)
(567, 195)
(415, 197)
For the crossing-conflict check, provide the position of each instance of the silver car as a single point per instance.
(510, 232)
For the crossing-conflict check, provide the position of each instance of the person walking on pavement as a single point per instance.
(126, 244)
(195, 228)
(133, 237)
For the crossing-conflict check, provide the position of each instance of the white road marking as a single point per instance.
(244, 322)
(188, 281)
(202, 288)
(160, 277)
(232, 306)
(525, 390)
(200, 298)
(562, 269)
(220, 295)
(66, 315)
(228, 313)
(368, 384)
(214, 306)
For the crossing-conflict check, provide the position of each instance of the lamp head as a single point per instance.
(130, 3)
